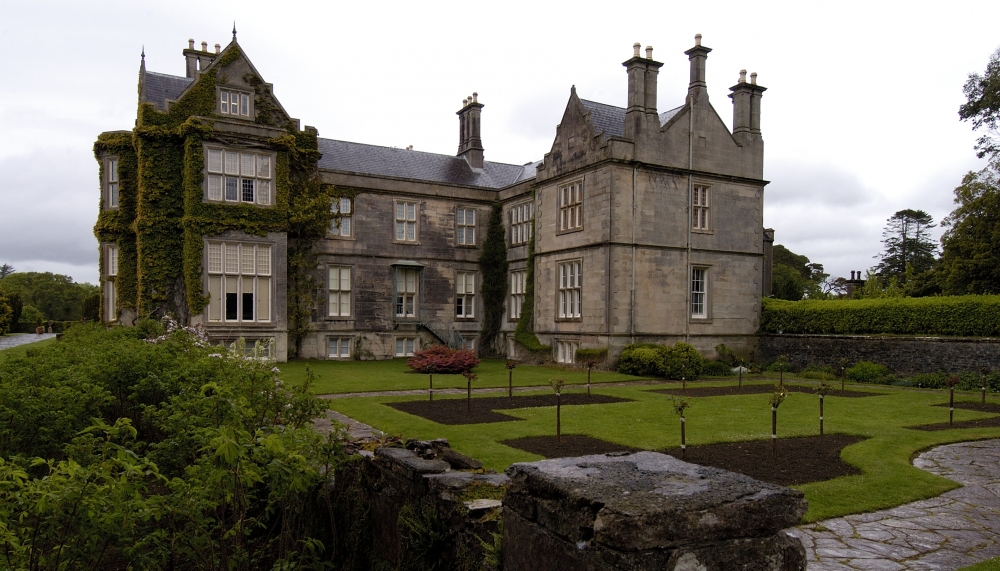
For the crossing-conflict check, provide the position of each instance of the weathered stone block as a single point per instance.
(646, 511)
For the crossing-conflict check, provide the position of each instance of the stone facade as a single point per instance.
(647, 226)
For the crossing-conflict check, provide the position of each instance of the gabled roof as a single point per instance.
(359, 158)
(160, 87)
(610, 120)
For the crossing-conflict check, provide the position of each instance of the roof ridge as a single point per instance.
(414, 151)
(169, 75)
(599, 103)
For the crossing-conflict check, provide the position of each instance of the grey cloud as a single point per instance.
(797, 182)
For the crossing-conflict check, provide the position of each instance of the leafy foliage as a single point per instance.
(642, 359)
(16, 307)
(145, 448)
(867, 372)
(91, 307)
(682, 360)
(57, 296)
(6, 316)
(443, 360)
(6, 270)
(969, 315)
(909, 248)
(493, 269)
(793, 276)
(970, 258)
(982, 106)
(591, 356)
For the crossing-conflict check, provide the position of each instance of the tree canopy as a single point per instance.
(57, 296)
(982, 106)
(909, 248)
(793, 276)
(970, 261)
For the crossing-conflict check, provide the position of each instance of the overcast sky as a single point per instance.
(859, 120)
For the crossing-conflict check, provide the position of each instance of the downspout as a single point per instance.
(687, 283)
(631, 319)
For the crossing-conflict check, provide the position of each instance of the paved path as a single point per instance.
(953, 530)
(13, 340)
(459, 391)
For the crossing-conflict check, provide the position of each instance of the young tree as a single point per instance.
(679, 406)
(984, 371)
(511, 365)
(909, 248)
(822, 389)
(557, 385)
(951, 383)
(469, 377)
(777, 397)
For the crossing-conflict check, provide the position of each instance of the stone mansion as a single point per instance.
(646, 225)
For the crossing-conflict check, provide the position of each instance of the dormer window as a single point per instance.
(234, 103)
(238, 176)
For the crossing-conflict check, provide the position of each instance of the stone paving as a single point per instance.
(953, 530)
(15, 339)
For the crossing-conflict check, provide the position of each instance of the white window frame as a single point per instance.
(406, 346)
(239, 170)
(566, 351)
(518, 279)
(113, 184)
(465, 226)
(570, 287)
(246, 268)
(407, 289)
(406, 214)
(110, 301)
(701, 219)
(341, 225)
(522, 217)
(344, 347)
(571, 206)
(233, 103)
(465, 295)
(338, 281)
(111, 257)
(699, 292)
(469, 344)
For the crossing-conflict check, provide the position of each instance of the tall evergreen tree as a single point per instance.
(493, 269)
(909, 248)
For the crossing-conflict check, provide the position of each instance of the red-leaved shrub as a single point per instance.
(440, 359)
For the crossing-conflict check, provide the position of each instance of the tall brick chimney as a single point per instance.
(470, 144)
(642, 72)
(196, 59)
(697, 55)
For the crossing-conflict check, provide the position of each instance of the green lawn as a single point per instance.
(988, 565)
(393, 375)
(888, 479)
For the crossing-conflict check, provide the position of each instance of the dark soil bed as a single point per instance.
(977, 406)
(756, 390)
(456, 411)
(570, 445)
(799, 461)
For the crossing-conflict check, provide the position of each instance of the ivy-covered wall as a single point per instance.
(162, 218)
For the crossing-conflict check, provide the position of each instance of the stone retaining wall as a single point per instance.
(900, 354)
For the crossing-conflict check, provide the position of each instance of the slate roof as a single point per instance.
(160, 87)
(611, 120)
(430, 167)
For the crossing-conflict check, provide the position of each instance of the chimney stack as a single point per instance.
(746, 108)
(470, 145)
(697, 55)
(642, 72)
(204, 46)
(191, 59)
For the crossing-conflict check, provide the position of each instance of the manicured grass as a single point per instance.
(20, 350)
(393, 375)
(988, 565)
(888, 479)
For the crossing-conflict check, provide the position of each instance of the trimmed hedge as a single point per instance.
(964, 316)
(648, 360)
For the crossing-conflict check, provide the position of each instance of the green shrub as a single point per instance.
(717, 369)
(530, 341)
(682, 360)
(584, 356)
(31, 316)
(868, 372)
(968, 315)
(92, 308)
(641, 360)
(6, 316)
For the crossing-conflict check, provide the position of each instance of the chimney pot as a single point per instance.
(852, 274)
(465, 102)
(475, 97)
(190, 43)
(218, 48)
(743, 76)
(204, 46)
(753, 78)
(649, 52)
(635, 49)
(697, 39)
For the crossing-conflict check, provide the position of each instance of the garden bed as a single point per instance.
(756, 390)
(799, 461)
(481, 410)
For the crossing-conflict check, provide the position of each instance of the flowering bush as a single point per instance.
(440, 359)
